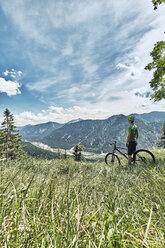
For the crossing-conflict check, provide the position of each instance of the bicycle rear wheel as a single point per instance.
(143, 156)
(112, 159)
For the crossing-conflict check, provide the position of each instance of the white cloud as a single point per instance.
(87, 35)
(13, 73)
(121, 66)
(58, 110)
(44, 84)
(9, 87)
(102, 110)
(6, 73)
(29, 20)
(19, 73)
(57, 114)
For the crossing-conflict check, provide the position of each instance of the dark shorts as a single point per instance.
(132, 147)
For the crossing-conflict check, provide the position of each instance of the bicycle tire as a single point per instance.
(143, 156)
(109, 160)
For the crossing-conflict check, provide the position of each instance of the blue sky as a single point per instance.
(67, 59)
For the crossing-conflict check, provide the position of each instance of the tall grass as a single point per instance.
(61, 203)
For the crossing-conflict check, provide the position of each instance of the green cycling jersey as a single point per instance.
(133, 130)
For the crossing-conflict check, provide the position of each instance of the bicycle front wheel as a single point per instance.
(112, 159)
(143, 156)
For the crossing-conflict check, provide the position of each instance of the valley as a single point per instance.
(95, 135)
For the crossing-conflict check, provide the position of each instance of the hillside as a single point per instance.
(36, 152)
(61, 203)
(37, 132)
(96, 135)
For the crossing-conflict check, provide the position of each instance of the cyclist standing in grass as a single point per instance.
(132, 137)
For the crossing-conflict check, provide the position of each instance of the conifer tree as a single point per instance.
(66, 155)
(162, 142)
(2, 134)
(77, 152)
(59, 154)
(10, 138)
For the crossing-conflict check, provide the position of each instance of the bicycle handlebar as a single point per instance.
(113, 143)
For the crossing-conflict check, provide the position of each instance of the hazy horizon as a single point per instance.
(79, 119)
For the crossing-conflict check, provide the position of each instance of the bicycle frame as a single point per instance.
(137, 155)
(117, 149)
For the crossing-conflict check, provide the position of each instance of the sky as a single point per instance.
(62, 60)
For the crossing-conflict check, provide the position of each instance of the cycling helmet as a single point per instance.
(131, 118)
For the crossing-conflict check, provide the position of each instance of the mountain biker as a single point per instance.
(132, 137)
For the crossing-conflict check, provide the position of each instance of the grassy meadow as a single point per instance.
(63, 203)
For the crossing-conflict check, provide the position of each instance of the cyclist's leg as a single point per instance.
(129, 159)
(131, 150)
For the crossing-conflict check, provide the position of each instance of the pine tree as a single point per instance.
(162, 142)
(77, 152)
(59, 154)
(10, 138)
(66, 155)
(2, 135)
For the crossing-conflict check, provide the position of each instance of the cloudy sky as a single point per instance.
(67, 59)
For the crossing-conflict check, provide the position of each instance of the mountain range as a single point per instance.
(36, 132)
(96, 135)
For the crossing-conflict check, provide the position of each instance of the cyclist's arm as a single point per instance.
(137, 135)
(128, 138)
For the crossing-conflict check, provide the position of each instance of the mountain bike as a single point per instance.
(140, 156)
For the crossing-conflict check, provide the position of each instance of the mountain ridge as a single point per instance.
(95, 135)
(36, 132)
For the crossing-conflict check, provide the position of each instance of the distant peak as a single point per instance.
(116, 116)
(74, 121)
